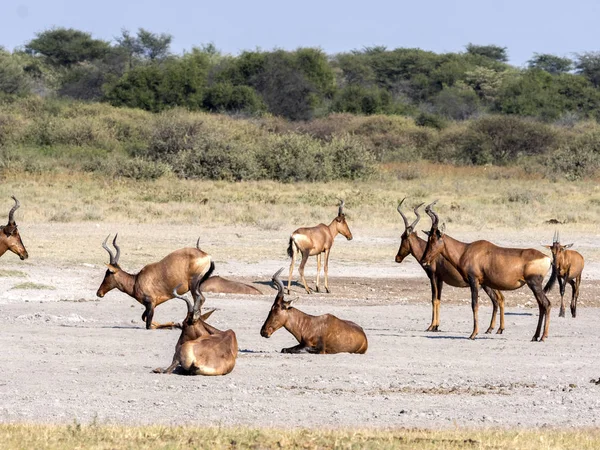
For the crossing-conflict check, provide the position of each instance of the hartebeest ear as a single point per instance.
(9, 230)
(206, 315)
(112, 268)
(443, 227)
(287, 304)
(568, 246)
(549, 247)
(426, 232)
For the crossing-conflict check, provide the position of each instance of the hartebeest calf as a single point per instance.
(482, 263)
(315, 334)
(440, 271)
(154, 284)
(202, 349)
(10, 239)
(316, 241)
(567, 266)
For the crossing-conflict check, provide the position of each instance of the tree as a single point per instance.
(489, 51)
(588, 65)
(67, 46)
(550, 63)
(154, 46)
(13, 79)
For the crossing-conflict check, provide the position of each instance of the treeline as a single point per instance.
(139, 70)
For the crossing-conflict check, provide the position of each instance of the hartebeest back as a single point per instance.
(316, 241)
(201, 348)
(315, 334)
(482, 263)
(154, 284)
(439, 272)
(567, 266)
(10, 239)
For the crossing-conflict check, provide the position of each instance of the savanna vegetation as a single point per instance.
(131, 108)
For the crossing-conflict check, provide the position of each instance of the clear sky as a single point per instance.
(523, 26)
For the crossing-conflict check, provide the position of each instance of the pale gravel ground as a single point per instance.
(66, 356)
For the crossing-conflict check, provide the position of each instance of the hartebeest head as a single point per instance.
(10, 239)
(194, 310)
(110, 280)
(404, 249)
(278, 315)
(341, 224)
(558, 250)
(435, 241)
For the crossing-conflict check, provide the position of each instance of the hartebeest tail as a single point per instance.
(315, 334)
(315, 241)
(567, 266)
(482, 263)
(201, 348)
(154, 284)
(439, 272)
(10, 239)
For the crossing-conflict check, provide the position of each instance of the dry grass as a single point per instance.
(33, 286)
(469, 197)
(109, 437)
(12, 273)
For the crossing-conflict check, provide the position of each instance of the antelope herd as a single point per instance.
(204, 350)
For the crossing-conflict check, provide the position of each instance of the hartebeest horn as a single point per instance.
(275, 279)
(434, 218)
(105, 247)
(198, 243)
(116, 248)
(199, 297)
(416, 211)
(406, 226)
(341, 208)
(11, 213)
(190, 307)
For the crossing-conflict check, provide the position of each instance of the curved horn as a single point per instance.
(112, 257)
(198, 243)
(406, 226)
(11, 219)
(275, 279)
(416, 211)
(117, 248)
(190, 307)
(434, 218)
(199, 298)
(341, 208)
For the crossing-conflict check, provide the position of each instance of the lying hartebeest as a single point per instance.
(154, 284)
(482, 263)
(10, 239)
(201, 348)
(567, 266)
(315, 334)
(439, 272)
(315, 241)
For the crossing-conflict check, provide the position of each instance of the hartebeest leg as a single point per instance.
(575, 286)
(326, 270)
(474, 284)
(300, 348)
(148, 313)
(294, 254)
(318, 271)
(439, 286)
(433, 302)
(561, 284)
(494, 300)
(301, 270)
(500, 298)
(535, 284)
(169, 369)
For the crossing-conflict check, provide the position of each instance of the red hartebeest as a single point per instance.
(439, 272)
(202, 349)
(154, 284)
(315, 334)
(10, 239)
(567, 266)
(316, 241)
(482, 263)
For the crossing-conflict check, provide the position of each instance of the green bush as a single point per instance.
(577, 158)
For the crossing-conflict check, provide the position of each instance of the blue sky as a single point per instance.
(524, 27)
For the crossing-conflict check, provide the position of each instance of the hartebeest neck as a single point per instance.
(453, 250)
(333, 229)
(3, 244)
(126, 283)
(297, 322)
(417, 246)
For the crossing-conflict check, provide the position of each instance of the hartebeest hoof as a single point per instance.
(489, 330)
(561, 313)
(500, 331)
(158, 370)
(573, 314)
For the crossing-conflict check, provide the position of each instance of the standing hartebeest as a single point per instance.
(315, 334)
(440, 271)
(482, 263)
(567, 266)
(201, 348)
(154, 284)
(10, 239)
(315, 241)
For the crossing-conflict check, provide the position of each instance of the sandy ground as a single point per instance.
(67, 355)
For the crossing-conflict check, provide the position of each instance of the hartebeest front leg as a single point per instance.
(169, 369)
(544, 305)
(148, 313)
(301, 270)
(562, 281)
(474, 284)
(300, 348)
(326, 269)
(318, 271)
(575, 295)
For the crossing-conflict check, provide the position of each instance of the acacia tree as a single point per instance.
(67, 46)
(494, 52)
(550, 63)
(588, 65)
